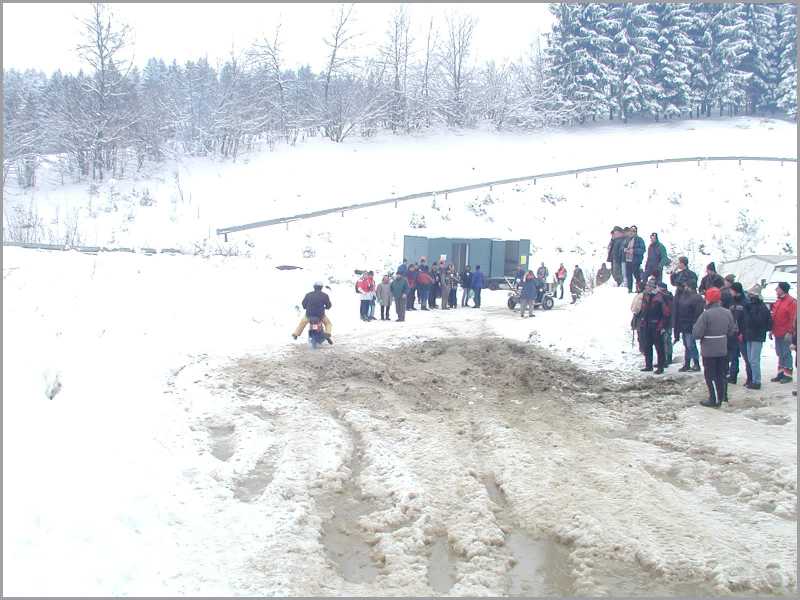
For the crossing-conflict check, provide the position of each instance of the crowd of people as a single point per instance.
(730, 324)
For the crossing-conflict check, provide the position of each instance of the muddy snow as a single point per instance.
(466, 466)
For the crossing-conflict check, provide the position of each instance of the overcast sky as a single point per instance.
(44, 36)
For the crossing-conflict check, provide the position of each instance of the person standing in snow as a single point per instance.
(366, 293)
(577, 284)
(423, 265)
(452, 284)
(411, 278)
(436, 285)
(688, 306)
(652, 324)
(478, 283)
(634, 254)
(713, 328)
(466, 285)
(315, 303)
(737, 344)
(444, 285)
(613, 253)
(618, 264)
(400, 291)
(519, 276)
(424, 283)
(756, 321)
(528, 294)
(403, 268)
(711, 279)
(657, 258)
(682, 277)
(542, 272)
(561, 277)
(383, 293)
(784, 327)
(668, 300)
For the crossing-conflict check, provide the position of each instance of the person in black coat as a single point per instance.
(466, 285)
(756, 321)
(654, 321)
(688, 306)
(316, 303)
(711, 279)
(737, 345)
(683, 276)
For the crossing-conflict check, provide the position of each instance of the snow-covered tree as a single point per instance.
(672, 75)
(457, 69)
(728, 51)
(760, 60)
(634, 28)
(786, 91)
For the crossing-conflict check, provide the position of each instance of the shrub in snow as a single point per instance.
(52, 384)
(146, 199)
(417, 221)
(553, 198)
(309, 252)
(675, 198)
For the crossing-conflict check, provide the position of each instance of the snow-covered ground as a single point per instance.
(194, 448)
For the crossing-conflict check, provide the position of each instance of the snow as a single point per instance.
(133, 468)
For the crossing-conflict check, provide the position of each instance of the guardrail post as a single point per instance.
(226, 237)
(287, 225)
(342, 213)
(395, 203)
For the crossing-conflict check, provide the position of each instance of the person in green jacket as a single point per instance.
(400, 288)
(657, 259)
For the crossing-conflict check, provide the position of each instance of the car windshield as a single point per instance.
(786, 269)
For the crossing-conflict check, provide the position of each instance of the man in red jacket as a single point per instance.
(784, 321)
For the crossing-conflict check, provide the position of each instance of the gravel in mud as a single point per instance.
(489, 467)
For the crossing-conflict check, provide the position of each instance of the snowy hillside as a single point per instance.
(567, 218)
(163, 431)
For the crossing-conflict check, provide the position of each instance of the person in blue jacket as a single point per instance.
(403, 269)
(528, 294)
(634, 251)
(478, 283)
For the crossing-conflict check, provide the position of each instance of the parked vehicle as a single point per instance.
(784, 271)
(546, 303)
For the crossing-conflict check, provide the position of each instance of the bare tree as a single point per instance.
(102, 48)
(395, 52)
(458, 73)
(267, 55)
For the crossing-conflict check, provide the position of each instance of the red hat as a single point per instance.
(713, 295)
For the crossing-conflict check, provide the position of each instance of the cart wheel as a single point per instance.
(547, 303)
(512, 303)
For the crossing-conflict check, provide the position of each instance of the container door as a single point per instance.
(415, 246)
(498, 258)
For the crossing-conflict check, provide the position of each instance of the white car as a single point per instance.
(784, 271)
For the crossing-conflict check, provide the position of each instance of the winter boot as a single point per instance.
(710, 403)
(328, 337)
(696, 366)
(685, 367)
(753, 386)
(786, 379)
(659, 371)
(646, 369)
(732, 379)
(778, 377)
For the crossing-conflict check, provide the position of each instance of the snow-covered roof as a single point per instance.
(770, 258)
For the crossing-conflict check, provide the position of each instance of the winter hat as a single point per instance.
(711, 267)
(713, 295)
(730, 277)
(738, 287)
(784, 286)
(684, 260)
(755, 290)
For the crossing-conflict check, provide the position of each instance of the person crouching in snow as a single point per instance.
(713, 328)
(528, 294)
(315, 304)
(383, 293)
(577, 284)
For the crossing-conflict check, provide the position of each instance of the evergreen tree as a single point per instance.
(635, 29)
(674, 59)
(760, 60)
(730, 45)
(786, 92)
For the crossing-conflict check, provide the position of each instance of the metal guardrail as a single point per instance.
(92, 249)
(342, 209)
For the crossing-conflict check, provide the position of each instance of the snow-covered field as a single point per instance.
(193, 448)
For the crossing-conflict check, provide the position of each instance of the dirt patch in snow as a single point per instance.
(488, 466)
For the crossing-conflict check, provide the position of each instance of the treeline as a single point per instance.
(600, 61)
(673, 60)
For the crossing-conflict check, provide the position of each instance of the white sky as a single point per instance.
(44, 36)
